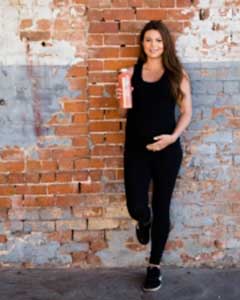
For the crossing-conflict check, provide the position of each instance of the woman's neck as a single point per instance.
(154, 64)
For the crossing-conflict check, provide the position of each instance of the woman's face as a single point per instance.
(153, 44)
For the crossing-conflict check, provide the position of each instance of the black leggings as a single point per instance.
(140, 167)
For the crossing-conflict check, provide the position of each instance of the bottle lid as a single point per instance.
(123, 70)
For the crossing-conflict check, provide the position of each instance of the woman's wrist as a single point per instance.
(174, 137)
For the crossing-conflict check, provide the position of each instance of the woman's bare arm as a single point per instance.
(185, 108)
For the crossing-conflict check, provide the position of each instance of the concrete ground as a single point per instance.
(118, 284)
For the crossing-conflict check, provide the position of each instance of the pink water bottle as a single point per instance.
(124, 80)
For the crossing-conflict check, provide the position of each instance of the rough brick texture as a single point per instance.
(61, 168)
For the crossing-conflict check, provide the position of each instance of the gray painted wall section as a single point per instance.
(29, 95)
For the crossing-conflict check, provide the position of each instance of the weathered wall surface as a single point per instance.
(61, 178)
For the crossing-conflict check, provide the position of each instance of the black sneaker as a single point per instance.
(143, 232)
(153, 280)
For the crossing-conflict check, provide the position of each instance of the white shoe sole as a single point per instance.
(154, 289)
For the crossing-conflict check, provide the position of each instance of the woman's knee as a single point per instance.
(139, 213)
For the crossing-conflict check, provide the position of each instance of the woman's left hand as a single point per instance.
(162, 142)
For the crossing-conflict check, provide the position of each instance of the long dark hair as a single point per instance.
(170, 60)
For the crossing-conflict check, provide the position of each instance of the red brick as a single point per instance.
(81, 141)
(16, 178)
(32, 177)
(65, 164)
(109, 174)
(61, 25)
(26, 23)
(95, 175)
(107, 150)
(151, 14)
(77, 83)
(6, 190)
(86, 212)
(64, 176)
(35, 36)
(80, 118)
(104, 126)
(41, 201)
(12, 154)
(102, 77)
(184, 3)
(15, 166)
(96, 114)
(61, 2)
(152, 3)
(80, 176)
(103, 27)
(77, 71)
(91, 187)
(3, 238)
(175, 26)
(102, 223)
(119, 14)
(48, 165)
(112, 114)
(115, 138)
(85, 163)
(170, 3)
(118, 64)
(120, 3)
(75, 106)
(43, 24)
(3, 178)
(103, 103)
(71, 130)
(47, 177)
(37, 189)
(79, 257)
(129, 52)
(98, 138)
(95, 39)
(133, 27)
(99, 4)
(95, 15)
(60, 236)
(113, 162)
(33, 165)
(5, 202)
(87, 236)
(98, 245)
(95, 90)
(119, 39)
(70, 153)
(76, 224)
(95, 65)
(104, 52)
(136, 3)
(62, 188)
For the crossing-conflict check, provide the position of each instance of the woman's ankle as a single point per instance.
(154, 265)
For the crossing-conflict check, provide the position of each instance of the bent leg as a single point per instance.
(137, 180)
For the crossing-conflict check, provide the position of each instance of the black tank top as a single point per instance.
(153, 111)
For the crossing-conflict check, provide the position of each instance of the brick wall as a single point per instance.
(61, 177)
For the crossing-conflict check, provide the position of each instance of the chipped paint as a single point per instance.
(216, 38)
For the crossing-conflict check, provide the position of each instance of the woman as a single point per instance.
(152, 147)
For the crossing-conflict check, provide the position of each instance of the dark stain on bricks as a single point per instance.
(36, 100)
